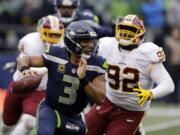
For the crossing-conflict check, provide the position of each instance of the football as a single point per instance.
(26, 85)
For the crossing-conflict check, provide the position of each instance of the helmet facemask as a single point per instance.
(66, 10)
(130, 31)
(51, 30)
(88, 51)
(67, 18)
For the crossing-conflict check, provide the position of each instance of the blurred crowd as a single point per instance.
(161, 17)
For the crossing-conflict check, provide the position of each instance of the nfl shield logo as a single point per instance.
(73, 70)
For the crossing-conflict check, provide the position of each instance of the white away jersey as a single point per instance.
(127, 69)
(31, 44)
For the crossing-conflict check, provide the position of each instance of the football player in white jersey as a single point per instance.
(133, 69)
(50, 32)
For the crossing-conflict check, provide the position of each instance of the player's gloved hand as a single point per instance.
(144, 95)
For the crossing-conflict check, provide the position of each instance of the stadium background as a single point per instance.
(18, 17)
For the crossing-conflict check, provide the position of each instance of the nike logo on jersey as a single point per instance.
(98, 107)
(129, 120)
(122, 63)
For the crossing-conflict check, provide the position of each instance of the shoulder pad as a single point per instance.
(22, 42)
(106, 45)
(53, 50)
(98, 63)
(27, 43)
(20, 46)
(152, 52)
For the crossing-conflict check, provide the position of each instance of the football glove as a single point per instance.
(144, 95)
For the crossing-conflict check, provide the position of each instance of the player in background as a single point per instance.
(69, 10)
(50, 32)
(74, 73)
(133, 69)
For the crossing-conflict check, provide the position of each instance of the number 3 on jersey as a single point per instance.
(70, 91)
(114, 74)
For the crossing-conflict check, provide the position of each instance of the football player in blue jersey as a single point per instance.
(69, 10)
(74, 74)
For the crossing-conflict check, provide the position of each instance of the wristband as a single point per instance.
(24, 68)
(84, 82)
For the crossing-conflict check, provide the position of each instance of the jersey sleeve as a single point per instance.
(102, 63)
(49, 54)
(152, 53)
(164, 83)
(30, 45)
(23, 47)
(105, 47)
(99, 68)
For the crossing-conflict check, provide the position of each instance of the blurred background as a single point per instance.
(161, 18)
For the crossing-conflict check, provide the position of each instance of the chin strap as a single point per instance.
(66, 20)
(85, 56)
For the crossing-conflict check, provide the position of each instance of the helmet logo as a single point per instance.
(72, 33)
(93, 34)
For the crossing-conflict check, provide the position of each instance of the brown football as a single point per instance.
(26, 85)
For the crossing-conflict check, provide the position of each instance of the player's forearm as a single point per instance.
(30, 61)
(95, 93)
(162, 89)
(23, 61)
(163, 80)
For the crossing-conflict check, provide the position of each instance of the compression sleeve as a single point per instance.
(163, 80)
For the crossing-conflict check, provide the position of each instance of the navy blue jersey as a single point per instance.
(64, 92)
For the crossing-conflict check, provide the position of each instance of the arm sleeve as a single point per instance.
(99, 68)
(163, 80)
(46, 54)
(105, 47)
(24, 48)
(104, 32)
(21, 48)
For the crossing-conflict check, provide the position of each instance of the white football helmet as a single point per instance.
(129, 30)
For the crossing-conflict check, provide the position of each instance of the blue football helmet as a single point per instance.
(66, 10)
(76, 32)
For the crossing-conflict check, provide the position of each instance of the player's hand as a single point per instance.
(81, 71)
(144, 95)
(26, 73)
